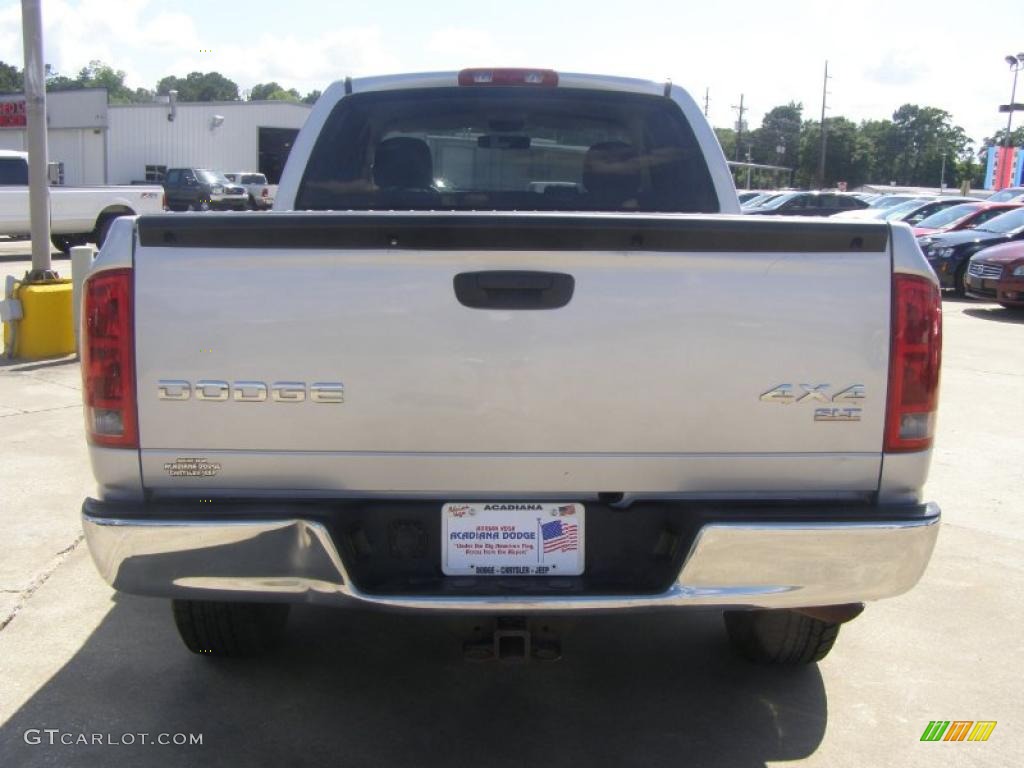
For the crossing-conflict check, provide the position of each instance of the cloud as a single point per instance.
(897, 68)
(460, 47)
(149, 42)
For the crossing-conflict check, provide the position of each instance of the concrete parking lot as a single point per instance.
(645, 690)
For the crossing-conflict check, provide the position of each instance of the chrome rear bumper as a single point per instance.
(748, 564)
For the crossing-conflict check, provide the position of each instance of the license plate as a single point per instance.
(512, 539)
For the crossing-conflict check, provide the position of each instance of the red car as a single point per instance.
(963, 216)
(997, 274)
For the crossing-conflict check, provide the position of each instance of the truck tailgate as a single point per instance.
(649, 380)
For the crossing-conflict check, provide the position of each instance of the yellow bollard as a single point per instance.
(46, 327)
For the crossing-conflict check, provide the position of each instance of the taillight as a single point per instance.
(542, 77)
(265, 192)
(108, 360)
(915, 358)
(164, 201)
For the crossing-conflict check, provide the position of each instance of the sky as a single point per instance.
(944, 53)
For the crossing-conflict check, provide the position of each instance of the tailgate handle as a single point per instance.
(510, 289)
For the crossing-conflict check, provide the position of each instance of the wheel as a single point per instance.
(960, 281)
(64, 243)
(779, 637)
(230, 629)
(103, 229)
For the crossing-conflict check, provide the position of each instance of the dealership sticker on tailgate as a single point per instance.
(512, 539)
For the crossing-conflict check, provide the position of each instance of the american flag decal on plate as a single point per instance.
(513, 538)
(559, 536)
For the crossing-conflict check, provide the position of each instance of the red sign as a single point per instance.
(12, 114)
(1005, 162)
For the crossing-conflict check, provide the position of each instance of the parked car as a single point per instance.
(760, 200)
(887, 201)
(200, 189)
(997, 274)
(481, 398)
(261, 194)
(913, 212)
(949, 253)
(958, 217)
(1008, 195)
(748, 195)
(808, 204)
(77, 214)
(879, 213)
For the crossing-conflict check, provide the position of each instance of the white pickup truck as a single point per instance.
(436, 384)
(261, 194)
(77, 214)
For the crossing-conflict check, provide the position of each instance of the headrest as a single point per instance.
(403, 162)
(611, 171)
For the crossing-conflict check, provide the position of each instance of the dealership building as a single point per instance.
(101, 143)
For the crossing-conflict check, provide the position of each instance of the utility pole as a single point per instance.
(707, 100)
(35, 127)
(824, 99)
(739, 128)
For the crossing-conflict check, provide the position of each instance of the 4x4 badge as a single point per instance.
(845, 399)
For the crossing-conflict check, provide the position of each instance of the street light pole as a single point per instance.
(1015, 62)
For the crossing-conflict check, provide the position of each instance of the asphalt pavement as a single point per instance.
(376, 689)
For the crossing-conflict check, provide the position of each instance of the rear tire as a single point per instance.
(64, 243)
(103, 229)
(780, 637)
(230, 629)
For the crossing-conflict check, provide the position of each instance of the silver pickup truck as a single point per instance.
(506, 349)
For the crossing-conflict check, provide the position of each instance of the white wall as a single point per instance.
(141, 135)
(13, 138)
(80, 149)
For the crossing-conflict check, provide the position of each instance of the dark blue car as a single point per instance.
(949, 253)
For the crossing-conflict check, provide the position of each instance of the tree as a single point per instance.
(11, 80)
(919, 139)
(273, 92)
(100, 75)
(200, 86)
(727, 138)
(779, 128)
(847, 153)
(311, 97)
(999, 139)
